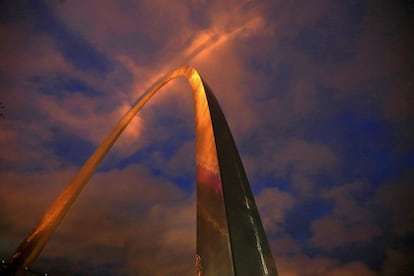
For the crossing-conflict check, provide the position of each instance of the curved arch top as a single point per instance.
(230, 236)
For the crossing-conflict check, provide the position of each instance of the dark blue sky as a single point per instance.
(318, 94)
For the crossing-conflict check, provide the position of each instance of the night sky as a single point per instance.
(319, 96)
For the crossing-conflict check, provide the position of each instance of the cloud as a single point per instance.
(347, 206)
(273, 204)
(351, 221)
(185, 43)
(306, 157)
(287, 75)
(399, 101)
(31, 65)
(298, 159)
(394, 197)
(398, 263)
(154, 220)
(24, 54)
(285, 246)
(22, 147)
(330, 232)
(304, 265)
(25, 196)
(83, 117)
(180, 164)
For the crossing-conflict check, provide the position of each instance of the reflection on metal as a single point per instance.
(230, 235)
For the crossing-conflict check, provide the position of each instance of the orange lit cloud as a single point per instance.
(144, 211)
(286, 75)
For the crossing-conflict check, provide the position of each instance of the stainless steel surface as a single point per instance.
(230, 235)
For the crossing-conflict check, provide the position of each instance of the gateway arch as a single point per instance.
(230, 236)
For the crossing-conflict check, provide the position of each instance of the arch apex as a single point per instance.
(230, 236)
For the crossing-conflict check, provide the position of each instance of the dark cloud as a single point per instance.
(317, 94)
(37, 18)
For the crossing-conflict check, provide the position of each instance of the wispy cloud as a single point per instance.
(317, 96)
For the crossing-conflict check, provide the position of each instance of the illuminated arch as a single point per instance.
(230, 235)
